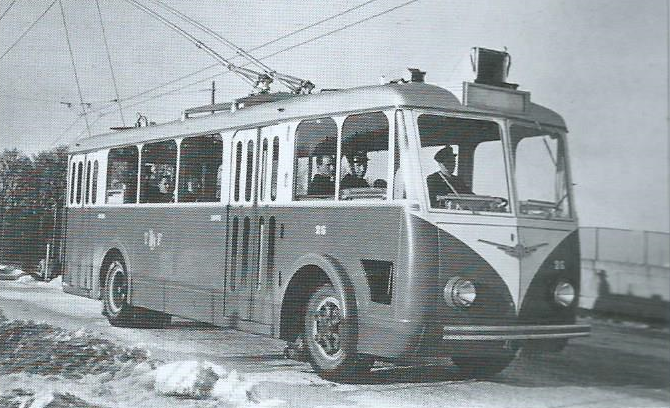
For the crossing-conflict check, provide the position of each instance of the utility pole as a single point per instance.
(213, 95)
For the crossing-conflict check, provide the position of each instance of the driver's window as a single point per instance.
(364, 159)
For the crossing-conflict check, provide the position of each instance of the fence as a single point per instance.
(626, 272)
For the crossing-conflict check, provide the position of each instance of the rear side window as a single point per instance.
(159, 170)
(122, 165)
(199, 169)
(80, 171)
(73, 178)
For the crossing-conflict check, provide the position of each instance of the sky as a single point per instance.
(603, 65)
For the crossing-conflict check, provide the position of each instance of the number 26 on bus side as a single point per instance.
(320, 229)
(559, 264)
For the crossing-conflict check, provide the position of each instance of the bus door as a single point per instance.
(243, 222)
(76, 262)
(262, 276)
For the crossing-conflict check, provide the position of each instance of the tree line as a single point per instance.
(32, 199)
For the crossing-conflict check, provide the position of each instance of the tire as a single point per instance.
(331, 338)
(483, 367)
(116, 307)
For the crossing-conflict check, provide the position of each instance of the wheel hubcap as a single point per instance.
(326, 328)
(118, 290)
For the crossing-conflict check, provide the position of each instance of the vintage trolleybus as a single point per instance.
(382, 222)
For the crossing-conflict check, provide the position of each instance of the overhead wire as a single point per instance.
(109, 59)
(347, 26)
(28, 29)
(311, 25)
(7, 9)
(74, 67)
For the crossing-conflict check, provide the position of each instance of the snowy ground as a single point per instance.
(196, 365)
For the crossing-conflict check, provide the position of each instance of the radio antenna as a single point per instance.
(296, 85)
(259, 80)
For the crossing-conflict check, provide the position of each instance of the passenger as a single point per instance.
(358, 165)
(323, 182)
(444, 182)
(165, 195)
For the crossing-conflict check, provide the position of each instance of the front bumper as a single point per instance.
(504, 333)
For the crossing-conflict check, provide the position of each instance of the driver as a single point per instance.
(444, 181)
(358, 165)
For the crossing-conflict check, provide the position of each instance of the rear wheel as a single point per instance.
(331, 338)
(116, 307)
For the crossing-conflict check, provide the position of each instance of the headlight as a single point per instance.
(460, 292)
(564, 293)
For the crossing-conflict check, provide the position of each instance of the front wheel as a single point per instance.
(331, 337)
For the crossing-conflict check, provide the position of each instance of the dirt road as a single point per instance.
(620, 365)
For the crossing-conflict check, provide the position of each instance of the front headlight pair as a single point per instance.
(461, 293)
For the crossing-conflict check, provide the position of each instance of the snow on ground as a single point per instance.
(43, 366)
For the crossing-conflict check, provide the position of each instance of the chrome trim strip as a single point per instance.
(501, 337)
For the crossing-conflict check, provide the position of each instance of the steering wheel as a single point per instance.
(500, 203)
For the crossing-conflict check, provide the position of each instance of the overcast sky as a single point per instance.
(603, 65)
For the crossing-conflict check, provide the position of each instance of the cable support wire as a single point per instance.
(266, 56)
(109, 59)
(29, 28)
(255, 79)
(74, 67)
(295, 84)
(7, 9)
(251, 50)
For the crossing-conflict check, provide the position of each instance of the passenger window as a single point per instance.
(199, 163)
(238, 169)
(250, 171)
(159, 165)
(264, 173)
(275, 168)
(122, 175)
(80, 170)
(364, 161)
(94, 187)
(88, 182)
(73, 179)
(316, 148)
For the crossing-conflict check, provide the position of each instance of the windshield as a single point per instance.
(540, 172)
(463, 164)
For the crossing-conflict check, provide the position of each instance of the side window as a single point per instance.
(238, 169)
(94, 187)
(264, 171)
(250, 171)
(122, 175)
(364, 161)
(73, 179)
(199, 169)
(87, 194)
(159, 165)
(315, 151)
(275, 168)
(80, 171)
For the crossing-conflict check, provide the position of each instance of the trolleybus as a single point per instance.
(375, 223)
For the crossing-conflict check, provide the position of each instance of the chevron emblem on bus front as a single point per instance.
(517, 251)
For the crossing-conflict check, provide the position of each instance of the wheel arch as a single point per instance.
(311, 271)
(104, 258)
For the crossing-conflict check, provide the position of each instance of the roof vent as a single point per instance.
(491, 67)
(417, 75)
